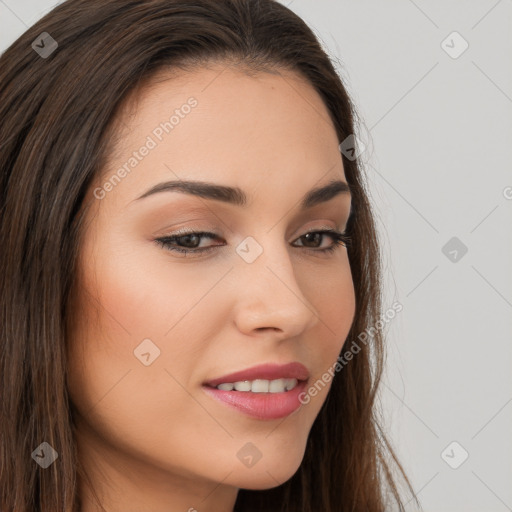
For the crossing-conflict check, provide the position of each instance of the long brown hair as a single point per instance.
(56, 133)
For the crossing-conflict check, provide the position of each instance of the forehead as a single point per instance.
(247, 130)
(228, 98)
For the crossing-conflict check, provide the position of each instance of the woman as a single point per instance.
(186, 258)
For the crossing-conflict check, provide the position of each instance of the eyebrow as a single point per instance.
(237, 196)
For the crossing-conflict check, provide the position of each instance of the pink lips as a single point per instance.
(263, 406)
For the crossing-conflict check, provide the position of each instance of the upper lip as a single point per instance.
(268, 371)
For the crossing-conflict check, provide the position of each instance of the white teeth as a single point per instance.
(277, 386)
(226, 387)
(290, 384)
(260, 385)
(244, 385)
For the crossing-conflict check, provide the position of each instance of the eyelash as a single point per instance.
(339, 239)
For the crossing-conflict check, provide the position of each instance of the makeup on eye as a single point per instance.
(168, 242)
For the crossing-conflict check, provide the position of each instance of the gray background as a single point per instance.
(438, 133)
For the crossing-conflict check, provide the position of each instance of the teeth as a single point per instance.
(243, 386)
(260, 385)
(226, 387)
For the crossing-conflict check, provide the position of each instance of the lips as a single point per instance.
(268, 371)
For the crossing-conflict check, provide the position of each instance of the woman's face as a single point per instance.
(155, 325)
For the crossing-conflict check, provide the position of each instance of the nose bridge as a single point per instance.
(271, 296)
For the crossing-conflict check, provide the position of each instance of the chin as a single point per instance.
(267, 476)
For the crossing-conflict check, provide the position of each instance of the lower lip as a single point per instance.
(264, 406)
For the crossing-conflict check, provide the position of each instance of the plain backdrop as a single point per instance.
(432, 83)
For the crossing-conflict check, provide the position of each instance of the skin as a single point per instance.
(149, 436)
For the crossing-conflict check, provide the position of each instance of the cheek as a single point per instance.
(121, 398)
(331, 291)
(141, 308)
(143, 291)
(335, 301)
(333, 297)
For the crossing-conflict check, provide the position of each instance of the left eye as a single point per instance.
(187, 243)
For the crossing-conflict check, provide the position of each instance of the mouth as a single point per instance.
(264, 392)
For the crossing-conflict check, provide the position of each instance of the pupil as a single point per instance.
(188, 240)
(310, 235)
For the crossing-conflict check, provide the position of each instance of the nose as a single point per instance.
(269, 299)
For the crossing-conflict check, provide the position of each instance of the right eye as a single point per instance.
(187, 242)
